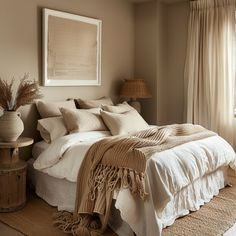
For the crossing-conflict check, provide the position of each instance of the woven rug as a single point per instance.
(214, 218)
(35, 219)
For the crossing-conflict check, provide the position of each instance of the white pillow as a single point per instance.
(51, 109)
(119, 108)
(51, 128)
(125, 123)
(81, 120)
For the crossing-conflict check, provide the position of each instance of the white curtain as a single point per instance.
(210, 66)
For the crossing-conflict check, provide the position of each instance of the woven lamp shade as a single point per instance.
(135, 88)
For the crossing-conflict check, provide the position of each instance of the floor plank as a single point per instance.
(37, 213)
(5, 230)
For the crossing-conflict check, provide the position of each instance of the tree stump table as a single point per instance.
(12, 175)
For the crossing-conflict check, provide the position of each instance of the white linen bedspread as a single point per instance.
(167, 172)
(64, 156)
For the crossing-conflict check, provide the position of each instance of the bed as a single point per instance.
(59, 189)
(191, 176)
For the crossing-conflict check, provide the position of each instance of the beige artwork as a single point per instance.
(72, 49)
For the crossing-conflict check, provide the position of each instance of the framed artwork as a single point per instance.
(71, 49)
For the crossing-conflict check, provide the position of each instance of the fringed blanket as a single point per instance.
(114, 163)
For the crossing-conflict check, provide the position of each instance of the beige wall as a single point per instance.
(20, 45)
(149, 63)
(177, 27)
(145, 56)
(161, 38)
(20, 23)
(154, 37)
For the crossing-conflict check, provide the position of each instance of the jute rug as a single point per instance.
(35, 219)
(214, 218)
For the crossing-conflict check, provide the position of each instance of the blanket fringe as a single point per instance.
(65, 221)
(82, 226)
(112, 177)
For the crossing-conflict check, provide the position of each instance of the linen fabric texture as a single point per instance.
(80, 120)
(124, 123)
(87, 104)
(51, 128)
(210, 66)
(119, 108)
(51, 109)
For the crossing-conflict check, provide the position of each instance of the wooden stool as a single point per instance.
(12, 175)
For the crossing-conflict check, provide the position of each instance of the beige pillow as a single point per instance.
(124, 123)
(86, 104)
(51, 128)
(119, 108)
(51, 109)
(79, 120)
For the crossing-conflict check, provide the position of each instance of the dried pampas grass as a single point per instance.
(5, 94)
(26, 93)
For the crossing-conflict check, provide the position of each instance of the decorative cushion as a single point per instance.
(124, 123)
(51, 109)
(80, 120)
(119, 108)
(51, 128)
(86, 104)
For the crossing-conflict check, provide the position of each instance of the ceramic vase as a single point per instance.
(11, 126)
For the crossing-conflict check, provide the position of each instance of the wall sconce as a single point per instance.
(133, 89)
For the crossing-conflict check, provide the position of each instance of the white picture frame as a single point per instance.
(71, 49)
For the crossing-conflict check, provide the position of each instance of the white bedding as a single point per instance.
(168, 173)
(63, 157)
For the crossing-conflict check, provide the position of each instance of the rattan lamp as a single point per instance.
(133, 89)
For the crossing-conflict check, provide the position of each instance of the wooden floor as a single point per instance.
(5, 230)
(36, 213)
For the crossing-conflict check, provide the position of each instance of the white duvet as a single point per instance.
(63, 157)
(167, 172)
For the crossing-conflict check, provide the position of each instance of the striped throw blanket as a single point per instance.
(114, 163)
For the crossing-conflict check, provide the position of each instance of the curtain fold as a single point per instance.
(210, 66)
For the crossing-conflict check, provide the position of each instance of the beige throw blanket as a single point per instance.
(115, 163)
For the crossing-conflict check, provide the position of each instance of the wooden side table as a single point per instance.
(12, 175)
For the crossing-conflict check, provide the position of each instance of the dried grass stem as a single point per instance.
(26, 93)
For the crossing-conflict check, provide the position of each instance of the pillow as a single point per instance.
(119, 108)
(51, 109)
(124, 123)
(51, 128)
(79, 120)
(86, 104)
